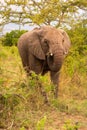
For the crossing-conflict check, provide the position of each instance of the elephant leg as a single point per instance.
(55, 80)
(26, 66)
(25, 62)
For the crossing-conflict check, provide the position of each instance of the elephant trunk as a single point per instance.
(55, 61)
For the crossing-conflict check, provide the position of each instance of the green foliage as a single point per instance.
(69, 125)
(11, 38)
(36, 80)
(41, 123)
(76, 60)
(22, 128)
(79, 40)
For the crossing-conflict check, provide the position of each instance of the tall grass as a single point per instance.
(21, 102)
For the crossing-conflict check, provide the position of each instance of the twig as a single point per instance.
(10, 127)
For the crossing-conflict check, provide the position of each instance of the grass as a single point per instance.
(22, 104)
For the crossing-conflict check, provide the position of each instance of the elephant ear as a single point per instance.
(35, 46)
(66, 41)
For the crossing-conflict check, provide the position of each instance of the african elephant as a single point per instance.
(43, 49)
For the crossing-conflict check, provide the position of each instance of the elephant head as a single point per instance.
(52, 44)
(46, 43)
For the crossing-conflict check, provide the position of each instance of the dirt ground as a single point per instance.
(60, 119)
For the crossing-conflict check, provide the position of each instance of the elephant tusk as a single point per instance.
(51, 54)
(66, 52)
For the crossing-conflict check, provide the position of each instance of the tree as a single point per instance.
(11, 38)
(52, 12)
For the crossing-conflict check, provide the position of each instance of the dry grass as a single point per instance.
(22, 105)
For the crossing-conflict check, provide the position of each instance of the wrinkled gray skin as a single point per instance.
(42, 50)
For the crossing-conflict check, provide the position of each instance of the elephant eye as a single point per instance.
(63, 40)
(45, 45)
(45, 41)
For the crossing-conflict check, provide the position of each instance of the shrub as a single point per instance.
(77, 60)
(11, 38)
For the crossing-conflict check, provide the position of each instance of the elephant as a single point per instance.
(43, 50)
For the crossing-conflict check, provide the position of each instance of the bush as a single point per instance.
(77, 60)
(78, 38)
(11, 38)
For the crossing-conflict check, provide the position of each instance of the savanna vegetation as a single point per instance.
(22, 105)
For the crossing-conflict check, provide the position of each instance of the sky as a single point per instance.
(12, 26)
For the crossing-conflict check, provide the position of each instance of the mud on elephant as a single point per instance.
(42, 50)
